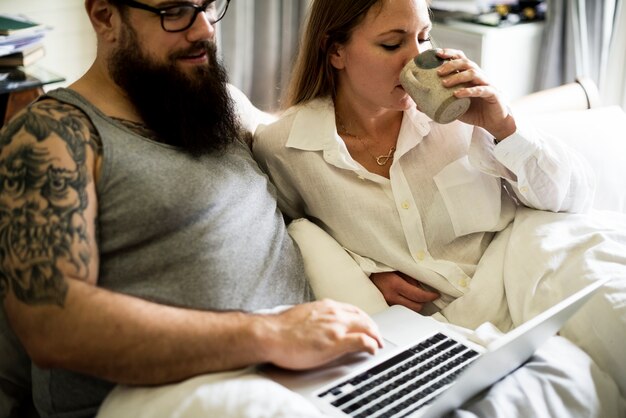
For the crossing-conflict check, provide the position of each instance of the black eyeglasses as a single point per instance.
(179, 17)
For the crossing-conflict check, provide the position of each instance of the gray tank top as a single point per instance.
(203, 233)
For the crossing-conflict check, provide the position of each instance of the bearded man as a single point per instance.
(136, 229)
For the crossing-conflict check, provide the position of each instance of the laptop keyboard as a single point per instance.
(404, 383)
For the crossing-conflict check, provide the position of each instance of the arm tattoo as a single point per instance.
(43, 198)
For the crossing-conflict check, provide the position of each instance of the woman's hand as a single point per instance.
(400, 289)
(487, 109)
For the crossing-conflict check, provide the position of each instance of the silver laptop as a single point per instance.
(425, 368)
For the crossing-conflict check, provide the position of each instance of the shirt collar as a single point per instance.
(314, 129)
(314, 126)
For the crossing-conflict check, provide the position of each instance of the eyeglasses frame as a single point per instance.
(161, 11)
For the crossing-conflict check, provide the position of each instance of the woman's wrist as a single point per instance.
(504, 129)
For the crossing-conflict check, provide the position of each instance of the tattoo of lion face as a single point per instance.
(43, 197)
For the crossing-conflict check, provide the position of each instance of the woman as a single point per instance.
(415, 202)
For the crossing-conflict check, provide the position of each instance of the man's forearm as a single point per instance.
(131, 341)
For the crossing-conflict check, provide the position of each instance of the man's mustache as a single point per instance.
(198, 48)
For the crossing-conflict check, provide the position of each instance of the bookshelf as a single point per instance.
(71, 42)
(21, 46)
(20, 86)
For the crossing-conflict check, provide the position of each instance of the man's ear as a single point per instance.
(336, 53)
(105, 19)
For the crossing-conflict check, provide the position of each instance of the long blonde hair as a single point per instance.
(329, 23)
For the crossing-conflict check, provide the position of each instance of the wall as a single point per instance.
(71, 44)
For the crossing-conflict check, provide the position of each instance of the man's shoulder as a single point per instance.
(45, 118)
(43, 110)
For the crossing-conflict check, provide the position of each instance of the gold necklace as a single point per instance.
(381, 160)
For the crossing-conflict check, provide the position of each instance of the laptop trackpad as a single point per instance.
(400, 325)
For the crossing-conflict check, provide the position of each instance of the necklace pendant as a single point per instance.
(382, 160)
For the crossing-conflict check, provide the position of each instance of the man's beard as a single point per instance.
(192, 111)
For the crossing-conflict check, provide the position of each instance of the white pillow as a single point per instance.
(331, 271)
(600, 135)
(250, 116)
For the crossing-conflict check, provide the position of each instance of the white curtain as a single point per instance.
(584, 38)
(613, 84)
(258, 40)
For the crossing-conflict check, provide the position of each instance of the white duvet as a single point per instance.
(563, 253)
(544, 257)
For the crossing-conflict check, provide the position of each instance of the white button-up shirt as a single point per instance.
(444, 199)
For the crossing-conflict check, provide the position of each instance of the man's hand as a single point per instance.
(400, 289)
(313, 334)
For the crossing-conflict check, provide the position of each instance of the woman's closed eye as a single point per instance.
(394, 46)
(390, 47)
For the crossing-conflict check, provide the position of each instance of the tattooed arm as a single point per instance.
(49, 157)
(47, 210)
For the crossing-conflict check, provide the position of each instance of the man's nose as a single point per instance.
(202, 29)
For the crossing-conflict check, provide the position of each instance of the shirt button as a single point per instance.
(405, 205)
(420, 255)
(463, 283)
(523, 189)
(361, 177)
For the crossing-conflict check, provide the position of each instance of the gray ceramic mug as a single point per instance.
(420, 80)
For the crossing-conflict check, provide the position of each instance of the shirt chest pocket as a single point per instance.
(472, 198)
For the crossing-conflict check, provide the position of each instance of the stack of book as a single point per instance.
(21, 41)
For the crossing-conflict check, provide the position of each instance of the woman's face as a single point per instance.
(369, 64)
